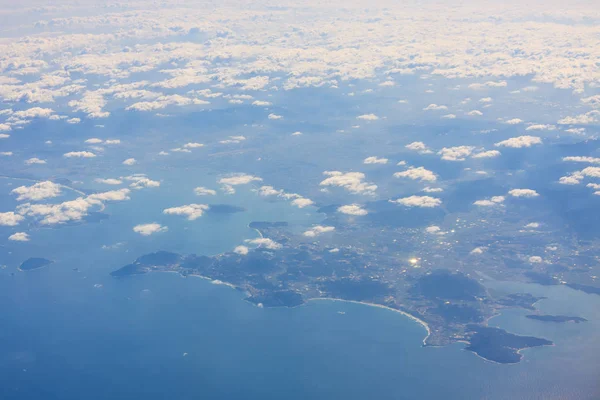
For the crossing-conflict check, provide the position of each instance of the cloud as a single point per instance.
(318, 230)
(432, 190)
(574, 179)
(140, 181)
(433, 230)
(130, 161)
(37, 191)
(435, 107)
(535, 259)
(34, 160)
(352, 209)
(514, 121)
(494, 201)
(108, 181)
(477, 250)
(582, 119)
(487, 154)
(19, 237)
(192, 145)
(541, 127)
(35, 112)
(375, 160)
(418, 201)
(94, 141)
(10, 219)
(449, 116)
(519, 142)
(351, 181)
(261, 103)
(191, 211)
(241, 250)
(457, 153)
(297, 133)
(301, 202)
(420, 173)
(489, 84)
(368, 117)
(202, 191)
(79, 154)
(149, 229)
(475, 113)
(532, 225)
(275, 116)
(419, 147)
(265, 243)
(579, 159)
(523, 193)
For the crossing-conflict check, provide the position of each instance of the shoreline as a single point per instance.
(417, 320)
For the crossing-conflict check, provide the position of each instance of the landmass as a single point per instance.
(556, 318)
(393, 267)
(34, 263)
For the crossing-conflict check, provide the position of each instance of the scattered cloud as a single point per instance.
(38, 191)
(523, 193)
(149, 229)
(318, 230)
(420, 173)
(19, 237)
(191, 211)
(519, 142)
(375, 160)
(352, 209)
(418, 201)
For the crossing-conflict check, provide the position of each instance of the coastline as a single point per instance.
(417, 320)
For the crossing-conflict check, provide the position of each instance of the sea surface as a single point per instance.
(80, 334)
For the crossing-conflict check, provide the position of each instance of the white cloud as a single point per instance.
(582, 119)
(352, 209)
(514, 121)
(449, 116)
(275, 116)
(108, 181)
(140, 181)
(532, 225)
(477, 250)
(202, 191)
(192, 145)
(264, 242)
(261, 103)
(94, 141)
(420, 173)
(130, 161)
(302, 202)
(34, 160)
(535, 259)
(149, 229)
(435, 107)
(432, 190)
(10, 219)
(79, 154)
(475, 113)
(523, 193)
(418, 201)
(487, 154)
(37, 191)
(494, 201)
(241, 250)
(433, 229)
(541, 127)
(368, 117)
(297, 133)
(351, 181)
(457, 153)
(191, 211)
(19, 237)
(318, 230)
(591, 160)
(492, 84)
(35, 112)
(375, 160)
(419, 147)
(519, 142)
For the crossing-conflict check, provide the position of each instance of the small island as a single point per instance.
(497, 345)
(556, 318)
(34, 263)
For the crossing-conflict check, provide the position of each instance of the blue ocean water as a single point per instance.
(68, 334)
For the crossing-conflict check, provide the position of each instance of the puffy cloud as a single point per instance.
(532, 225)
(191, 211)
(165, 101)
(10, 219)
(352, 209)
(368, 117)
(202, 191)
(489, 84)
(261, 103)
(475, 113)
(523, 193)
(592, 172)
(108, 181)
(419, 147)
(192, 145)
(375, 160)
(34, 160)
(420, 173)
(94, 141)
(140, 181)
(582, 119)
(477, 250)
(351, 181)
(435, 107)
(318, 230)
(35, 112)
(265, 243)
(519, 142)
(302, 202)
(535, 259)
(79, 154)
(449, 116)
(275, 116)
(37, 191)
(418, 201)
(297, 133)
(149, 229)
(514, 121)
(433, 229)
(457, 153)
(233, 140)
(574, 179)
(130, 161)
(494, 201)
(19, 237)
(432, 190)
(241, 250)
(487, 154)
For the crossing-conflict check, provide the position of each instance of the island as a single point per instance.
(34, 263)
(556, 318)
